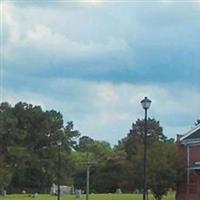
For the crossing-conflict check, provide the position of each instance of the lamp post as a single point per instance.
(146, 103)
(89, 164)
(59, 143)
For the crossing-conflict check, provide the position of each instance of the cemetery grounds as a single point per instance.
(92, 197)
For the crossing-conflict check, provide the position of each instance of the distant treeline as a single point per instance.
(29, 154)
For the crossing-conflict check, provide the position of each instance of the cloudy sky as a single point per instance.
(95, 60)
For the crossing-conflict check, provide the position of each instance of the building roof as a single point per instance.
(192, 136)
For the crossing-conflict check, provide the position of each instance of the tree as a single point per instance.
(7, 127)
(29, 154)
(5, 174)
(28, 146)
(134, 148)
(197, 122)
(134, 139)
(84, 142)
(100, 152)
(111, 174)
(162, 168)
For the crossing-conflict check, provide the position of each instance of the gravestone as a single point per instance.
(4, 193)
(34, 195)
(118, 191)
(78, 193)
(64, 189)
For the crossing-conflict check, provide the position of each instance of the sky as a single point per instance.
(95, 60)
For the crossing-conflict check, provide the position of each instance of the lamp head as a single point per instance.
(146, 103)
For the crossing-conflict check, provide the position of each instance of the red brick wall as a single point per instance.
(194, 154)
(191, 191)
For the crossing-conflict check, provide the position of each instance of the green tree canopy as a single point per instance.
(28, 145)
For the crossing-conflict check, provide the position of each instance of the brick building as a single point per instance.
(188, 148)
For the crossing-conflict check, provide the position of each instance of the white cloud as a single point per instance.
(106, 111)
(57, 35)
(30, 97)
(30, 30)
(50, 36)
(106, 93)
(197, 2)
(43, 38)
(8, 21)
(93, 2)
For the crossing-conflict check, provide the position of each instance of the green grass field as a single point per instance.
(92, 197)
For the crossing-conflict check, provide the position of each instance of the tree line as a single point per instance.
(29, 154)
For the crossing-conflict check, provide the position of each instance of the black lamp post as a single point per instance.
(59, 143)
(146, 103)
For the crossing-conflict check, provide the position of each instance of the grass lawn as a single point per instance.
(92, 197)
